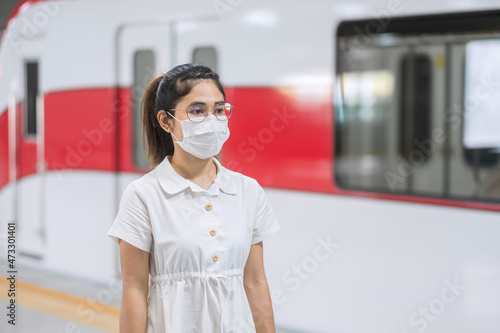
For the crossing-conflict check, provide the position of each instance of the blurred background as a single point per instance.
(6, 8)
(372, 125)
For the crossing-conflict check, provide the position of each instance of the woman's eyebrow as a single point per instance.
(203, 103)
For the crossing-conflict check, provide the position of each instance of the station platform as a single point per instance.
(50, 303)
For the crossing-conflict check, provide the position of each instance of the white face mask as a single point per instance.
(203, 139)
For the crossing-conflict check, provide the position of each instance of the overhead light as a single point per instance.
(261, 17)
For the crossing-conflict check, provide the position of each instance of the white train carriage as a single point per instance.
(371, 124)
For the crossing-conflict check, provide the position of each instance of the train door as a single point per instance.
(142, 51)
(27, 155)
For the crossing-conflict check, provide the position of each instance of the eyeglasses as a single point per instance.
(199, 112)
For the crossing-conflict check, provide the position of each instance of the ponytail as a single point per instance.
(159, 142)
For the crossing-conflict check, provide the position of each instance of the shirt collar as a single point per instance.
(173, 183)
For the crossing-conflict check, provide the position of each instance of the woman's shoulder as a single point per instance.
(143, 184)
(238, 177)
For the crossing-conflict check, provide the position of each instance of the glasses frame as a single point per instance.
(209, 108)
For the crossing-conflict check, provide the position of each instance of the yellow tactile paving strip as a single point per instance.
(70, 307)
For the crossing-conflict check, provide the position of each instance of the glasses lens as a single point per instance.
(223, 111)
(197, 113)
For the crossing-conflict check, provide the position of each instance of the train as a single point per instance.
(371, 125)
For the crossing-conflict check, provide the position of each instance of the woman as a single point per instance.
(194, 226)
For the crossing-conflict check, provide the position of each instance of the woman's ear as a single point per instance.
(164, 121)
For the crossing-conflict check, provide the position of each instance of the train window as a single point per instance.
(415, 103)
(481, 137)
(31, 79)
(144, 69)
(206, 56)
(418, 106)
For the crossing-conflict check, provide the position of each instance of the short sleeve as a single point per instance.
(265, 223)
(132, 223)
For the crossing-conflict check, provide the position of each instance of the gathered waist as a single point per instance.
(196, 275)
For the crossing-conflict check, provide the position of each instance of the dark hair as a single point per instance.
(163, 93)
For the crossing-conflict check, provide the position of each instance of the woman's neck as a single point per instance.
(200, 172)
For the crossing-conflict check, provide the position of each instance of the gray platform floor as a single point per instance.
(32, 321)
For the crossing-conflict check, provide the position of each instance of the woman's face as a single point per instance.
(203, 92)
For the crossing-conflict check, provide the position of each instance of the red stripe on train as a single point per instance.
(282, 137)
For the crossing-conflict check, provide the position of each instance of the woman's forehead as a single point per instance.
(204, 91)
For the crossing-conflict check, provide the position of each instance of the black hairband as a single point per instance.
(163, 78)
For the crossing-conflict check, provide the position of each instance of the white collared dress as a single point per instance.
(199, 241)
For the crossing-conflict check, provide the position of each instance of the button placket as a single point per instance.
(209, 208)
